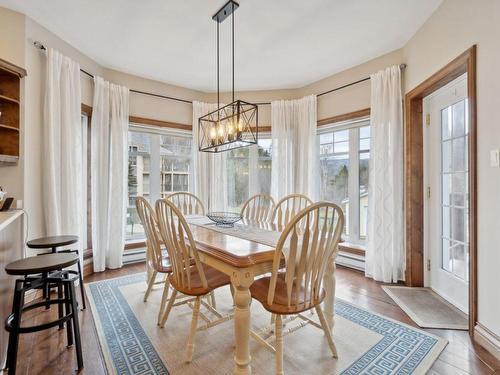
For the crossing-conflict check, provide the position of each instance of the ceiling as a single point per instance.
(279, 43)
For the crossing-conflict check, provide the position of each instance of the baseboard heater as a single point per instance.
(134, 256)
(351, 260)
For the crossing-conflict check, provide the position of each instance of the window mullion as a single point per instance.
(354, 185)
(154, 172)
(253, 173)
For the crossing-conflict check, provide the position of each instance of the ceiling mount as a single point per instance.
(226, 10)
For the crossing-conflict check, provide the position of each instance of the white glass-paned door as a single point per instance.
(446, 168)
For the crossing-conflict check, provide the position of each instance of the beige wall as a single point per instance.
(344, 101)
(157, 108)
(12, 50)
(354, 97)
(453, 28)
(264, 96)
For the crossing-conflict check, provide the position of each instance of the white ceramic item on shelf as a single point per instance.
(2, 194)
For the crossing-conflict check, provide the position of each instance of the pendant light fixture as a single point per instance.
(235, 125)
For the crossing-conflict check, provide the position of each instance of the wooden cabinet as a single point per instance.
(10, 108)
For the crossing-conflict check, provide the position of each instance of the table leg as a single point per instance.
(328, 304)
(242, 298)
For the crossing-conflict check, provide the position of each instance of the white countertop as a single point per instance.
(8, 217)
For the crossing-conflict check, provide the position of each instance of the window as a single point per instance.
(344, 157)
(159, 164)
(264, 150)
(248, 172)
(455, 190)
(175, 153)
(237, 169)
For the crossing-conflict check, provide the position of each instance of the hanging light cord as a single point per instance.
(232, 26)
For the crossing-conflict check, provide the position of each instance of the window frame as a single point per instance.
(353, 125)
(253, 168)
(155, 188)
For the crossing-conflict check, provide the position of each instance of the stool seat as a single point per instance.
(41, 263)
(51, 242)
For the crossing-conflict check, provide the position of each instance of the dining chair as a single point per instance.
(287, 207)
(157, 261)
(190, 204)
(189, 276)
(308, 243)
(258, 208)
(187, 203)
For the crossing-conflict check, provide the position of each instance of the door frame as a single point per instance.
(414, 173)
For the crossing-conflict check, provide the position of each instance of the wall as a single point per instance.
(352, 98)
(264, 96)
(340, 102)
(452, 29)
(157, 108)
(12, 50)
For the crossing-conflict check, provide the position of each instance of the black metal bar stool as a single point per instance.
(47, 268)
(53, 243)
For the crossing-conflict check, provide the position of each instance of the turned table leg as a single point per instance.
(241, 283)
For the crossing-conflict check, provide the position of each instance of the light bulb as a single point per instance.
(220, 133)
(230, 131)
(213, 135)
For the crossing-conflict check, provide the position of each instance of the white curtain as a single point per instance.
(385, 256)
(109, 173)
(62, 162)
(295, 158)
(209, 177)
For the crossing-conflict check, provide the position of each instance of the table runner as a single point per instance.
(245, 231)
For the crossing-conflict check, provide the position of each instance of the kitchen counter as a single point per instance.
(8, 217)
(11, 249)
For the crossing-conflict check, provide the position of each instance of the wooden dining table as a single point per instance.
(243, 260)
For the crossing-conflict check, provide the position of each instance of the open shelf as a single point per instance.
(9, 99)
(10, 89)
(3, 126)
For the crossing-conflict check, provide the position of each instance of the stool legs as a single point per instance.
(46, 292)
(67, 310)
(59, 305)
(80, 276)
(14, 333)
(82, 290)
(76, 326)
(68, 307)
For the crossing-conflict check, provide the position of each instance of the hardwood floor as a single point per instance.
(45, 352)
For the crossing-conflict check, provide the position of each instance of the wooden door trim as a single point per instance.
(414, 172)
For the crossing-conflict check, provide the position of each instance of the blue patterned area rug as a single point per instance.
(132, 343)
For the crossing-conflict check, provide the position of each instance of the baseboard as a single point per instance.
(130, 256)
(88, 267)
(488, 340)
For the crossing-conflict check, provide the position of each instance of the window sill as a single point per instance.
(351, 248)
(134, 245)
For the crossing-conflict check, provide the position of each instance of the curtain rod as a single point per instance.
(43, 48)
